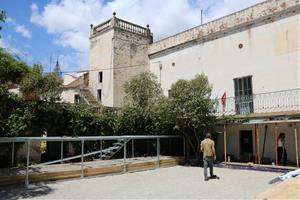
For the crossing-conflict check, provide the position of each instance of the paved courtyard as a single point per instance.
(174, 182)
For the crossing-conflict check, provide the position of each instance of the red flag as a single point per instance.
(223, 99)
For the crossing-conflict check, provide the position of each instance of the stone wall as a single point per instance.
(130, 59)
(118, 49)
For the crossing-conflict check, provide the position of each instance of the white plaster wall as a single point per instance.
(67, 95)
(68, 78)
(259, 12)
(101, 57)
(270, 54)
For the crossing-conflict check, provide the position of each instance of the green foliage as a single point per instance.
(46, 87)
(12, 70)
(187, 111)
(142, 90)
(163, 116)
(136, 121)
(191, 101)
(138, 114)
(19, 122)
(9, 102)
(191, 108)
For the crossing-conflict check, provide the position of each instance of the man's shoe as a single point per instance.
(214, 177)
(206, 179)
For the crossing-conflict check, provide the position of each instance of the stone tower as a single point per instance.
(118, 51)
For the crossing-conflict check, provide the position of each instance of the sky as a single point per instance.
(41, 31)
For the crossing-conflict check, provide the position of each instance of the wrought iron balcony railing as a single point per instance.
(279, 101)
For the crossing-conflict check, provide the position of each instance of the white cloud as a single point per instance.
(69, 20)
(23, 31)
(6, 43)
(19, 28)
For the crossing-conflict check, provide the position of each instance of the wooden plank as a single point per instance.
(288, 189)
(225, 143)
(102, 170)
(258, 149)
(296, 145)
(261, 165)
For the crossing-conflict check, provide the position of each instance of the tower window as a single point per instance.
(100, 77)
(99, 95)
(76, 98)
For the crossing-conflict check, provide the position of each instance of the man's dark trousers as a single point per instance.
(208, 161)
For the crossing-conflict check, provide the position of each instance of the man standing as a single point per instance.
(209, 155)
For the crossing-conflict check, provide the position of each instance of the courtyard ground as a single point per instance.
(174, 182)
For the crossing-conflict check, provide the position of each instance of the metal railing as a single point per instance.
(279, 101)
(125, 139)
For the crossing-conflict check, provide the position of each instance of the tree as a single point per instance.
(12, 70)
(137, 115)
(2, 18)
(39, 86)
(142, 90)
(192, 108)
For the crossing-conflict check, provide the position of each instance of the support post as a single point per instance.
(276, 144)
(61, 150)
(296, 145)
(101, 149)
(225, 143)
(82, 152)
(255, 144)
(158, 151)
(132, 148)
(258, 149)
(124, 159)
(27, 163)
(12, 154)
(184, 153)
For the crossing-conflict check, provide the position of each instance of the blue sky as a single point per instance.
(40, 31)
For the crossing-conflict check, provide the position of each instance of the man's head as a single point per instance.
(281, 136)
(208, 135)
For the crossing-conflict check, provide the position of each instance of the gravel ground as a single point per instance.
(175, 182)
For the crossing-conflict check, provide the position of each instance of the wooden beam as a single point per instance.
(225, 144)
(257, 141)
(255, 144)
(268, 122)
(250, 164)
(91, 170)
(296, 145)
(276, 143)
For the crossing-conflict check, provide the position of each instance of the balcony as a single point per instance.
(285, 102)
(115, 22)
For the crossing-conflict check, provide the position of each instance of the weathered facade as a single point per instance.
(253, 56)
(118, 51)
(261, 41)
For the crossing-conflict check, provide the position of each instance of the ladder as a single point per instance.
(109, 152)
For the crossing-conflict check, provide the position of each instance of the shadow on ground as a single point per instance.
(20, 192)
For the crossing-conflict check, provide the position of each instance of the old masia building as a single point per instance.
(252, 56)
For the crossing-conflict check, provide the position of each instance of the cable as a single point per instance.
(107, 68)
